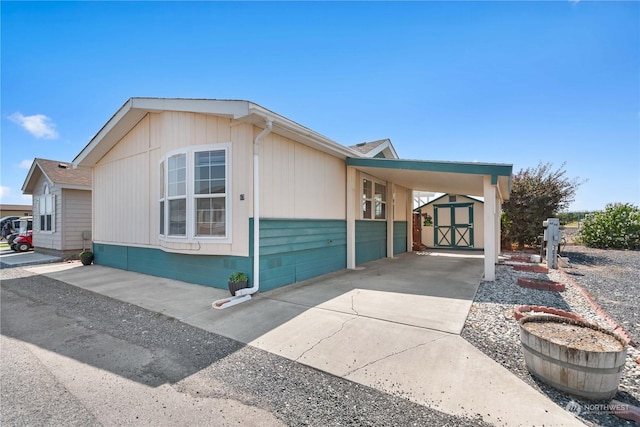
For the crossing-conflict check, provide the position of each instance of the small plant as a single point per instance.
(238, 277)
(428, 220)
(86, 257)
(237, 281)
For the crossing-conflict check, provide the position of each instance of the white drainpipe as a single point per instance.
(243, 295)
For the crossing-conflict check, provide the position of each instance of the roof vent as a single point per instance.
(63, 165)
(361, 144)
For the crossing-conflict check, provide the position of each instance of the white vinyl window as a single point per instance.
(46, 211)
(374, 199)
(194, 201)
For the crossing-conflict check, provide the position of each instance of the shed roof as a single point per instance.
(57, 173)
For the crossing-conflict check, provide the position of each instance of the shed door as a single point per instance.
(453, 225)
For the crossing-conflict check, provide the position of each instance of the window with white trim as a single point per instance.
(194, 200)
(374, 199)
(46, 210)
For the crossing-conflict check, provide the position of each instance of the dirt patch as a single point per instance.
(574, 336)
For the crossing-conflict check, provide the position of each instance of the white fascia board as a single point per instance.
(26, 187)
(384, 146)
(304, 135)
(28, 178)
(83, 158)
(227, 108)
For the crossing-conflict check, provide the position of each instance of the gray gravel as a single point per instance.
(612, 277)
(194, 362)
(613, 280)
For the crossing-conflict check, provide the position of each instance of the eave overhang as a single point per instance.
(439, 176)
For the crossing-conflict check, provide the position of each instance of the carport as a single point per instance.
(490, 181)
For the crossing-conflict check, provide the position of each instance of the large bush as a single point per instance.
(617, 227)
(536, 194)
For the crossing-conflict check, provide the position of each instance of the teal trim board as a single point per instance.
(399, 237)
(371, 240)
(432, 166)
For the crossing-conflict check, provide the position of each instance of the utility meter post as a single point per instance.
(552, 238)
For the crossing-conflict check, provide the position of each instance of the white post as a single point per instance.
(352, 200)
(389, 213)
(409, 220)
(490, 250)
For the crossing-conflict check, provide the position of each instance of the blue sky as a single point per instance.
(498, 82)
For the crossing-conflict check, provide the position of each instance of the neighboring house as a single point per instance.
(195, 189)
(452, 222)
(61, 207)
(15, 210)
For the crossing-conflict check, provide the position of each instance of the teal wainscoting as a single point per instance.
(292, 250)
(399, 237)
(207, 270)
(371, 240)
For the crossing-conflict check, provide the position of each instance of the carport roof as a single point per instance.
(440, 176)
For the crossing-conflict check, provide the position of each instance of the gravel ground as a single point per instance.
(611, 277)
(194, 362)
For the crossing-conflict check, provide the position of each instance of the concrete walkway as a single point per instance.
(10, 258)
(393, 326)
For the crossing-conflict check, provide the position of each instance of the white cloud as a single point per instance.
(26, 164)
(37, 125)
(11, 197)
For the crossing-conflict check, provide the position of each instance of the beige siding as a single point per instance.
(76, 218)
(241, 183)
(133, 144)
(126, 181)
(400, 213)
(121, 211)
(171, 130)
(299, 182)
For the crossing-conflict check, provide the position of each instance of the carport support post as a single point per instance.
(490, 214)
(409, 213)
(391, 207)
(351, 216)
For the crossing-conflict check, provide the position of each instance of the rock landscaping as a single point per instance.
(601, 287)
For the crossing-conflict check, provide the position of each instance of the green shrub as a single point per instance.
(238, 277)
(617, 227)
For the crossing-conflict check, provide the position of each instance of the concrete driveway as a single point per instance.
(392, 325)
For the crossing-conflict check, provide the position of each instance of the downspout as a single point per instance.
(256, 211)
(243, 295)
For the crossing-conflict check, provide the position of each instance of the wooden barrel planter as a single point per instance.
(537, 310)
(573, 356)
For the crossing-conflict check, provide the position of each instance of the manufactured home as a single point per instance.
(196, 189)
